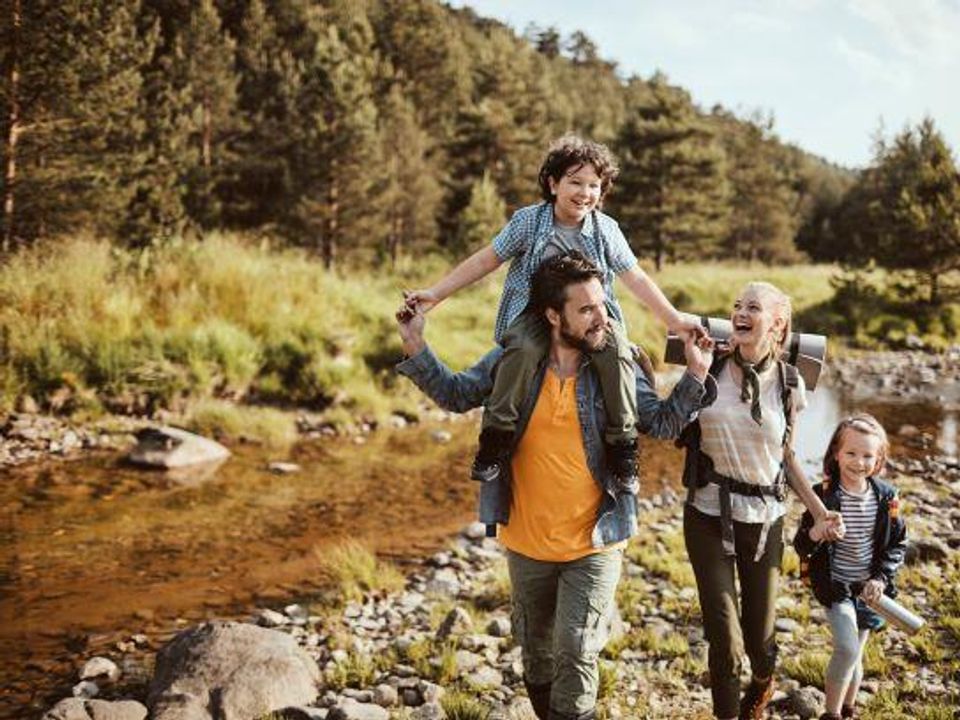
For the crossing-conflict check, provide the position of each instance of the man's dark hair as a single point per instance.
(550, 281)
(571, 152)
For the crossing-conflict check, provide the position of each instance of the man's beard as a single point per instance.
(582, 342)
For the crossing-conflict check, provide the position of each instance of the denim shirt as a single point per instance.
(660, 418)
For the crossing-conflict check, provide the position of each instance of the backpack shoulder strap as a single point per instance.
(789, 382)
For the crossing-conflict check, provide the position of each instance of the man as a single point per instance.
(563, 518)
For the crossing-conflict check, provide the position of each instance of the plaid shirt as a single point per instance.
(523, 241)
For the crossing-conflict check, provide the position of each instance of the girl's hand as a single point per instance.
(872, 590)
(421, 300)
(828, 528)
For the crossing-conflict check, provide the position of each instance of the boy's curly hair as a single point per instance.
(571, 152)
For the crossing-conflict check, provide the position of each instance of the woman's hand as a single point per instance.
(828, 528)
(421, 300)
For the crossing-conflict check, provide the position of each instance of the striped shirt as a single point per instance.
(853, 555)
(524, 240)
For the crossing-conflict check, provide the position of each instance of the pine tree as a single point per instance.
(70, 92)
(671, 197)
(483, 217)
(209, 71)
(413, 194)
(342, 177)
(906, 207)
(764, 217)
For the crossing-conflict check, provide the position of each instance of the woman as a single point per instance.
(739, 460)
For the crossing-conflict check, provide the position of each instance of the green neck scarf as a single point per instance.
(750, 386)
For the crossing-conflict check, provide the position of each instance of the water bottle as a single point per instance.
(896, 614)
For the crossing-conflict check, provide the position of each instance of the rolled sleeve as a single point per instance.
(457, 392)
(666, 418)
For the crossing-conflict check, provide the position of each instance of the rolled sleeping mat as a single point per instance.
(806, 351)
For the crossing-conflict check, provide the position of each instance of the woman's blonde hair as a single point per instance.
(862, 423)
(782, 307)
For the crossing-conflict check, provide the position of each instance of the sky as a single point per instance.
(833, 73)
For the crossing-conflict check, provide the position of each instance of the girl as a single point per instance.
(847, 573)
(739, 459)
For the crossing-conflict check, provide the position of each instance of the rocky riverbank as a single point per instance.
(441, 646)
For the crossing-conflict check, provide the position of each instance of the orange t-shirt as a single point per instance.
(555, 497)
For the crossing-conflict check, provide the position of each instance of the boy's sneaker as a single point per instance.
(492, 456)
(622, 463)
(755, 699)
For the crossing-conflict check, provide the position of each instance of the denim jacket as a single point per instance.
(617, 516)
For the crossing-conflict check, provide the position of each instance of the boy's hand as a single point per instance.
(872, 590)
(422, 300)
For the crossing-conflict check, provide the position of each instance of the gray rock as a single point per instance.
(100, 667)
(499, 627)
(386, 695)
(68, 709)
(475, 531)
(456, 622)
(352, 710)
(467, 661)
(170, 447)
(429, 711)
(228, 669)
(120, 710)
(485, 677)
(444, 582)
(302, 713)
(807, 702)
(85, 689)
(270, 618)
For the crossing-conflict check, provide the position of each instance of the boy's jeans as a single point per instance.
(527, 342)
(561, 618)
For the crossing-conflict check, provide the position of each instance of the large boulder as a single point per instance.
(230, 671)
(170, 447)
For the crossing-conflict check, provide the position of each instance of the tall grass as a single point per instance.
(84, 324)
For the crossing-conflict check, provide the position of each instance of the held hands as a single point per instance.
(421, 300)
(699, 354)
(828, 528)
(685, 327)
(410, 324)
(872, 590)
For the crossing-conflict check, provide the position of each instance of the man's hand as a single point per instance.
(422, 300)
(872, 590)
(699, 354)
(410, 324)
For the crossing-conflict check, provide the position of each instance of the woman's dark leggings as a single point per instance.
(731, 626)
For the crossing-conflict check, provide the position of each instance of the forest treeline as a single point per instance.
(367, 130)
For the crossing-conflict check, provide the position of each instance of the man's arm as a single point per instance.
(666, 418)
(457, 392)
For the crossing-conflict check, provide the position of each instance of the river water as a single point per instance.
(92, 550)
